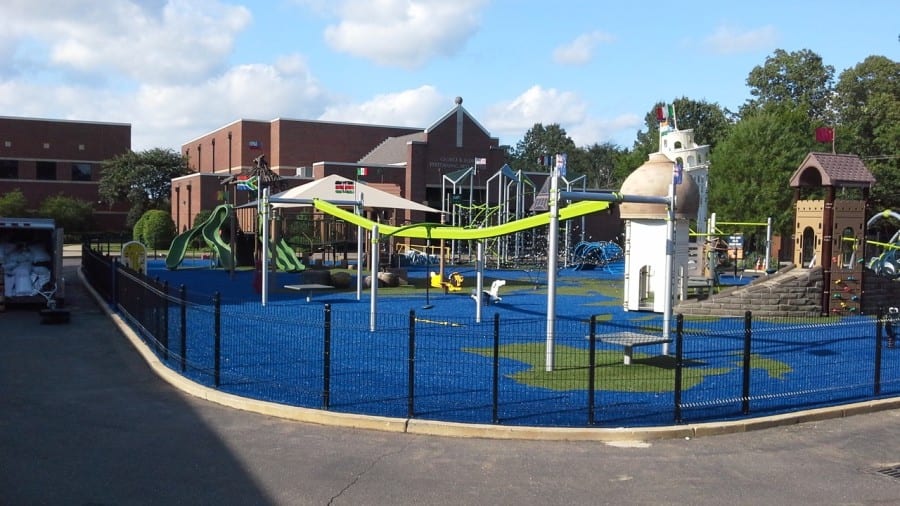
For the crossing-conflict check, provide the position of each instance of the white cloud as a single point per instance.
(510, 120)
(731, 40)
(403, 33)
(417, 107)
(580, 50)
(180, 40)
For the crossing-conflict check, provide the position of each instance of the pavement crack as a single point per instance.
(365, 471)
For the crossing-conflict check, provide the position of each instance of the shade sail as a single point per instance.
(340, 190)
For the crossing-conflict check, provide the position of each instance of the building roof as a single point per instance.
(827, 169)
(392, 151)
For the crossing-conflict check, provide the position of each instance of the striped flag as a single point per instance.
(481, 161)
(343, 186)
(362, 171)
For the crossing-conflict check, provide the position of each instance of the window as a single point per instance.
(46, 171)
(82, 171)
(9, 169)
(848, 248)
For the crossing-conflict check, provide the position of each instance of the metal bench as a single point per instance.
(629, 340)
(308, 289)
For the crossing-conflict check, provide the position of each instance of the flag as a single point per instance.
(481, 161)
(825, 134)
(343, 186)
(362, 171)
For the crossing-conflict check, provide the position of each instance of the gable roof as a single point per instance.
(828, 169)
(452, 113)
(392, 151)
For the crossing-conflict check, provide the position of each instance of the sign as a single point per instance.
(561, 160)
(736, 246)
(134, 256)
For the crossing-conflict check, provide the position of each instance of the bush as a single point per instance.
(14, 204)
(158, 229)
(73, 215)
(137, 232)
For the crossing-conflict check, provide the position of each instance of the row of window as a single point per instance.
(47, 171)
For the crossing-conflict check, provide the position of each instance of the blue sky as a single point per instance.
(178, 69)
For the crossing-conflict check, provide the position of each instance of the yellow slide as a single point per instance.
(437, 231)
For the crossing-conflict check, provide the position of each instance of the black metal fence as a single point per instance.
(496, 371)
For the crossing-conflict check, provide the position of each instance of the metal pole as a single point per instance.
(768, 241)
(670, 266)
(373, 289)
(264, 223)
(360, 256)
(552, 247)
(479, 279)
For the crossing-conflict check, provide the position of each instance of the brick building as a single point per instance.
(414, 163)
(409, 162)
(44, 158)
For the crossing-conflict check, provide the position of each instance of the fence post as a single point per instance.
(679, 364)
(410, 397)
(495, 376)
(113, 292)
(326, 360)
(164, 319)
(217, 339)
(879, 336)
(182, 296)
(748, 334)
(592, 364)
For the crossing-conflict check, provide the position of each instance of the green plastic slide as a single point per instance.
(210, 231)
(285, 258)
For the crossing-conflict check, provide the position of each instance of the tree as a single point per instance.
(74, 216)
(14, 203)
(600, 163)
(867, 104)
(798, 78)
(143, 179)
(540, 141)
(750, 169)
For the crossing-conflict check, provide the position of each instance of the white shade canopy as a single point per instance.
(340, 190)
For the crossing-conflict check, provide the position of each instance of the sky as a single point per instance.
(177, 69)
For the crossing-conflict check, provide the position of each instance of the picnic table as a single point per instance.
(629, 340)
(308, 289)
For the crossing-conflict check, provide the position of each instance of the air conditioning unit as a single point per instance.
(304, 172)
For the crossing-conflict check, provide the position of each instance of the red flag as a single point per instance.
(824, 134)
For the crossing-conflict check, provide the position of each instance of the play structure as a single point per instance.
(587, 255)
(212, 231)
(453, 283)
(826, 230)
(885, 257)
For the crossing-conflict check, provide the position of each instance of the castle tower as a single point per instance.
(681, 149)
(831, 232)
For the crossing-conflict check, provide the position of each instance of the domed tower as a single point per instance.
(646, 231)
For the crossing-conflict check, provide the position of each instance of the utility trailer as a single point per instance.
(31, 256)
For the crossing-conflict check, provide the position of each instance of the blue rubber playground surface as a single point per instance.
(276, 352)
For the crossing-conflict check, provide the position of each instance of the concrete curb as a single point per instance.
(486, 431)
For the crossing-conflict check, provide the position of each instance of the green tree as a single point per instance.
(14, 204)
(799, 78)
(867, 104)
(158, 229)
(540, 141)
(142, 179)
(600, 163)
(750, 170)
(74, 216)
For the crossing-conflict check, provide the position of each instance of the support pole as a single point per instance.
(479, 279)
(373, 289)
(264, 263)
(552, 260)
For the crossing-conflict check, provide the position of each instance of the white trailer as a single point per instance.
(31, 255)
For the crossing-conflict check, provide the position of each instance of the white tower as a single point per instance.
(680, 148)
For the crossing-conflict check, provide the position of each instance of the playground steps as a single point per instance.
(789, 292)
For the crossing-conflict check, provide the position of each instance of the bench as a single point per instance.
(631, 339)
(308, 289)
